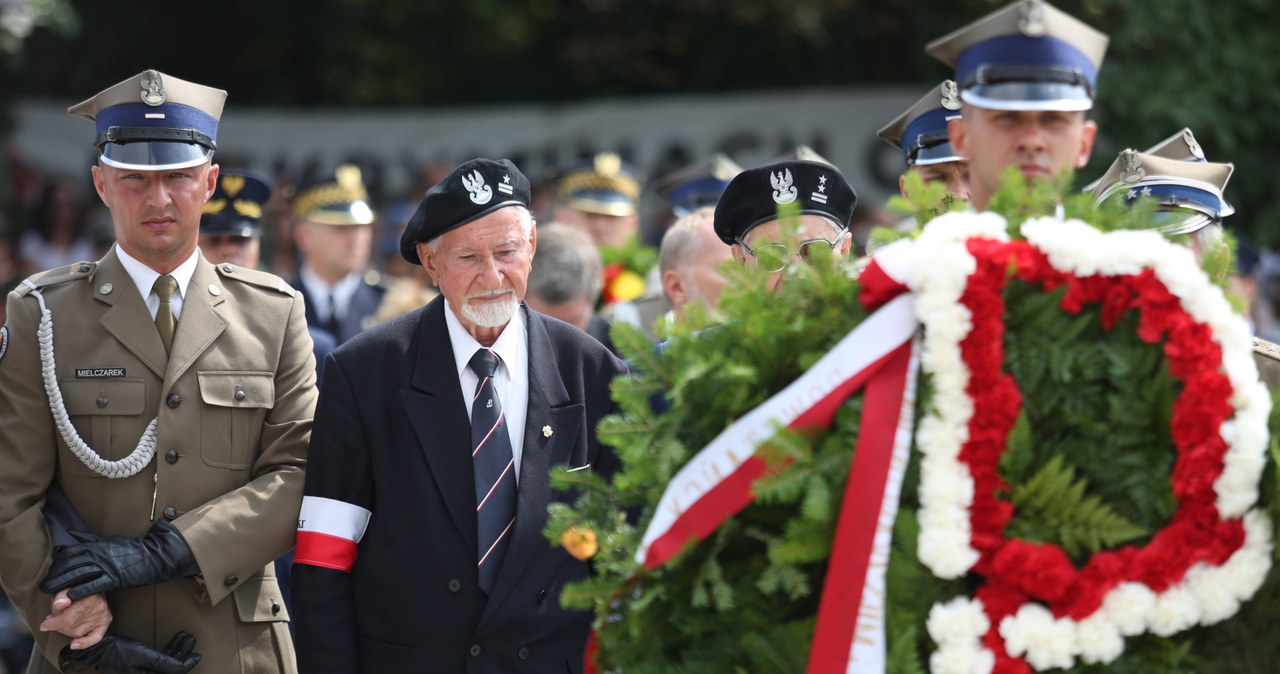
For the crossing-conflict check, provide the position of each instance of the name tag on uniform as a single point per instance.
(99, 372)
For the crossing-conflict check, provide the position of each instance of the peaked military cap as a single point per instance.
(340, 199)
(1028, 55)
(603, 184)
(472, 191)
(698, 185)
(236, 205)
(753, 197)
(154, 122)
(921, 131)
(1189, 193)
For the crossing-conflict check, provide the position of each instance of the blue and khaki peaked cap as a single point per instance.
(1029, 55)
(921, 131)
(154, 122)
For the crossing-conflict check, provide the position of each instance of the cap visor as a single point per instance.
(1028, 96)
(1181, 221)
(937, 154)
(154, 155)
(602, 207)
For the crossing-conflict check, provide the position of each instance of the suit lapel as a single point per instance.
(127, 319)
(200, 323)
(552, 433)
(435, 408)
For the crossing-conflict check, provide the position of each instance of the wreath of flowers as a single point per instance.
(1034, 608)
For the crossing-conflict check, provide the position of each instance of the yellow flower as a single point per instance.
(581, 543)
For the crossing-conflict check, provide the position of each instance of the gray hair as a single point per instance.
(566, 267)
(680, 243)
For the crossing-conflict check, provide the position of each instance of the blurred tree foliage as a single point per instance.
(1172, 63)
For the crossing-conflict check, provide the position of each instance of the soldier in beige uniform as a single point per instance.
(164, 402)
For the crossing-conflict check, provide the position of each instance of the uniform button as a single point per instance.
(102, 401)
(239, 394)
(173, 401)
(474, 650)
(275, 607)
(542, 596)
(84, 268)
(231, 580)
(455, 585)
(523, 653)
(171, 514)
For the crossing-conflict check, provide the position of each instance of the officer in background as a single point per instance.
(1189, 195)
(231, 231)
(171, 417)
(921, 134)
(601, 196)
(746, 219)
(1027, 74)
(333, 227)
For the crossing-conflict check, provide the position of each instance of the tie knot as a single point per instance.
(484, 363)
(165, 287)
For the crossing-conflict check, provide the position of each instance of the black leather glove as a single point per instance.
(99, 563)
(122, 655)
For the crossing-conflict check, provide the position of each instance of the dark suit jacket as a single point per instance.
(364, 303)
(392, 437)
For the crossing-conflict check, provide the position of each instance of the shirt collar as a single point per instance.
(510, 345)
(144, 277)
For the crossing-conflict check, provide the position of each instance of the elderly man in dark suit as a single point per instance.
(420, 545)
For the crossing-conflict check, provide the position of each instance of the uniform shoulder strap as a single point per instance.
(44, 279)
(255, 277)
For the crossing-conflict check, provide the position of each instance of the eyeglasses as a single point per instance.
(773, 257)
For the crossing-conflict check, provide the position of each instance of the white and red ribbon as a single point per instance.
(717, 482)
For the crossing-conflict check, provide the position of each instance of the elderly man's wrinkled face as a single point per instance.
(1041, 143)
(482, 269)
(771, 246)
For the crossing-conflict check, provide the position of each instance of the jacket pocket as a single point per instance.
(259, 600)
(92, 403)
(236, 403)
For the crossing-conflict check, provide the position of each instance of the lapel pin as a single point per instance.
(546, 431)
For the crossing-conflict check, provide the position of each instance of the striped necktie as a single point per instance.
(494, 470)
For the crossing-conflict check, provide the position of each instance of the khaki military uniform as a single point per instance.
(234, 402)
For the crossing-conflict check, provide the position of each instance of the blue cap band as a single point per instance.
(935, 122)
(175, 116)
(694, 194)
(1020, 50)
(1179, 195)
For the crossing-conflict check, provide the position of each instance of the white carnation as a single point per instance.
(1176, 609)
(1128, 607)
(1099, 639)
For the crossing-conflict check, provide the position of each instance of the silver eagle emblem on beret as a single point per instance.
(153, 89)
(784, 191)
(480, 191)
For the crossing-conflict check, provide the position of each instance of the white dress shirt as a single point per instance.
(144, 278)
(511, 381)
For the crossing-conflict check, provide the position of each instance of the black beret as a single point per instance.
(753, 196)
(474, 190)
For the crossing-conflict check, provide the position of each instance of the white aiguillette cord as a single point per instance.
(126, 467)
